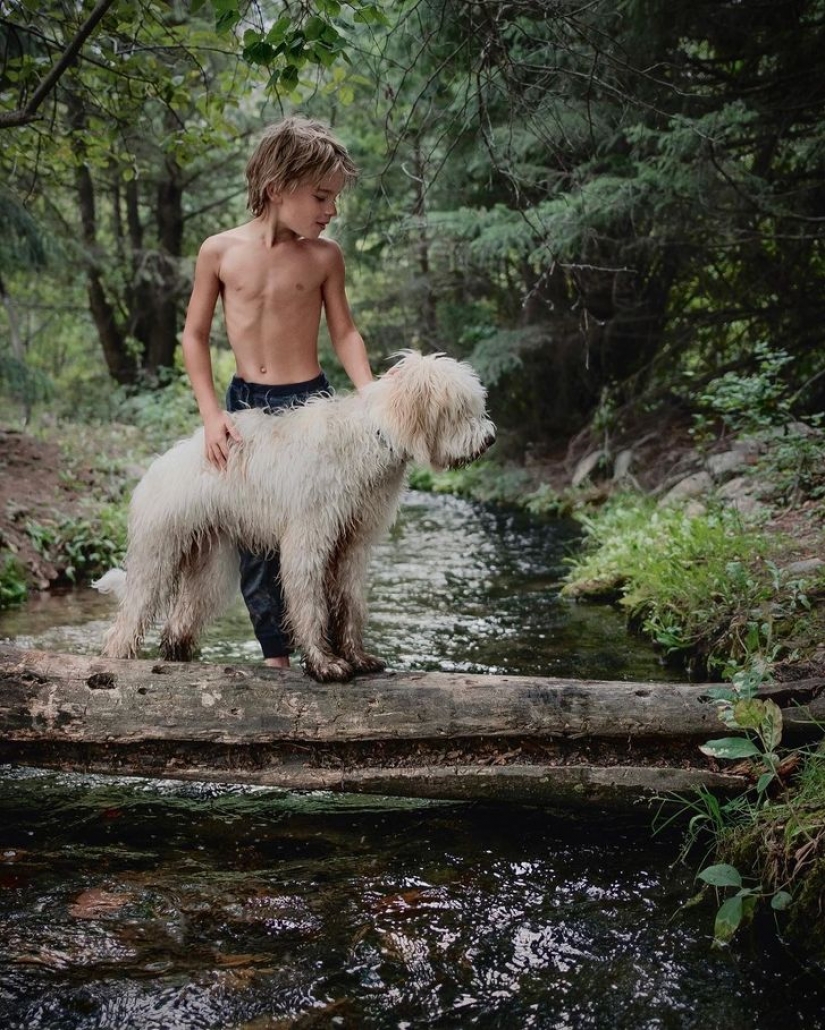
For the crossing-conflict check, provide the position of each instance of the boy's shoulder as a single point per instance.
(222, 240)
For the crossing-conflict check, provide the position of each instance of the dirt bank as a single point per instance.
(31, 490)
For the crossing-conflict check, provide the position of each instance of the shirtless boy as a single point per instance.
(274, 276)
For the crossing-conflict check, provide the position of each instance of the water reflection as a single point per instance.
(455, 587)
(140, 905)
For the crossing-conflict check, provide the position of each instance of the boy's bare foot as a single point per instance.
(277, 663)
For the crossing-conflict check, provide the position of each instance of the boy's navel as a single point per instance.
(299, 286)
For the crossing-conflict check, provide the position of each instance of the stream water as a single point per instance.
(156, 906)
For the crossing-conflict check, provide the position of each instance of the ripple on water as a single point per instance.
(133, 904)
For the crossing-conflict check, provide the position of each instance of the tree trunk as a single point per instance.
(113, 339)
(155, 289)
(415, 734)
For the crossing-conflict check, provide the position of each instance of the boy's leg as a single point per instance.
(261, 589)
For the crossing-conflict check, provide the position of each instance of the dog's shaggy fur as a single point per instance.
(320, 482)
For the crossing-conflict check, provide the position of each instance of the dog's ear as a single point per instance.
(410, 405)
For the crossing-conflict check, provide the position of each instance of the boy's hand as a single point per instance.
(218, 431)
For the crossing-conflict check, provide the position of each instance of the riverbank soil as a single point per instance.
(31, 489)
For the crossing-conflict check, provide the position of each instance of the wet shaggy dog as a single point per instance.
(320, 482)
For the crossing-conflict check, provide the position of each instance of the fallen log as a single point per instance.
(432, 735)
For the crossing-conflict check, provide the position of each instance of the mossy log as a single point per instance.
(433, 735)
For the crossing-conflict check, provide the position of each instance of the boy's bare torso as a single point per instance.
(272, 298)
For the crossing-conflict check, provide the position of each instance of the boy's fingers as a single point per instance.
(216, 456)
(231, 429)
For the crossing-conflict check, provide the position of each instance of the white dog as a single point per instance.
(320, 482)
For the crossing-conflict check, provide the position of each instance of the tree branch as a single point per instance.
(24, 115)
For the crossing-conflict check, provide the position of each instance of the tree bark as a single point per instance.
(415, 734)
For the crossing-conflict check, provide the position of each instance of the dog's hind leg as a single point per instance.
(150, 582)
(304, 561)
(207, 577)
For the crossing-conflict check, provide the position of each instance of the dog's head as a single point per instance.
(432, 408)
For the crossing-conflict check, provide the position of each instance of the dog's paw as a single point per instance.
(182, 650)
(329, 670)
(363, 663)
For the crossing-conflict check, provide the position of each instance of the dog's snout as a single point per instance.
(490, 438)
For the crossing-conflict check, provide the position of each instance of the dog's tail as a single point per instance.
(112, 582)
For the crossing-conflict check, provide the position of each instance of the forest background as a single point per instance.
(603, 206)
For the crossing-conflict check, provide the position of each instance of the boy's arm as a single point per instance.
(347, 341)
(218, 424)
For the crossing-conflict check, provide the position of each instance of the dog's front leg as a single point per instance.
(346, 588)
(304, 560)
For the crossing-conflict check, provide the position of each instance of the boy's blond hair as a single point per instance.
(294, 151)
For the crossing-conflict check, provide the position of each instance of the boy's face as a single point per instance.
(308, 209)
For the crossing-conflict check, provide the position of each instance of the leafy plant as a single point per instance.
(739, 907)
(751, 402)
(82, 547)
(739, 708)
(794, 462)
(13, 589)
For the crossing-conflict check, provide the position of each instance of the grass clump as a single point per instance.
(702, 587)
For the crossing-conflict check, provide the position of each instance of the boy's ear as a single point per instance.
(272, 194)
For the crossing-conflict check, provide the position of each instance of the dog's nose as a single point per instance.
(490, 438)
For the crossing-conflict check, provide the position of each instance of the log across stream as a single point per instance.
(433, 735)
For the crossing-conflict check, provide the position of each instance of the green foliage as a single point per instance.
(23, 383)
(700, 586)
(738, 908)
(13, 588)
(318, 33)
(22, 243)
(751, 402)
(482, 481)
(793, 463)
(642, 226)
(82, 547)
(544, 500)
(740, 830)
(739, 708)
(163, 414)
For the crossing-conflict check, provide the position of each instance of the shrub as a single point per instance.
(12, 581)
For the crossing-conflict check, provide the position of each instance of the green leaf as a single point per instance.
(749, 714)
(771, 729)
(727, 920)
(258, 52)
(780, 901)
(278, 32)
(289, 77)
(764, 782)
(721, 875)
(314, 28)
(721, 694)
(730, 747)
